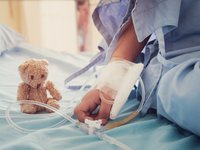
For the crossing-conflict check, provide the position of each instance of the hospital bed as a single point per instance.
(144, 133)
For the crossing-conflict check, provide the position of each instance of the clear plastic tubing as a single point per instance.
(143, 95)
(82, 126)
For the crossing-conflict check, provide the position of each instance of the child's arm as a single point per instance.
(127, 48)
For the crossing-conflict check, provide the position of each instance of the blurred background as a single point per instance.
(62, 25)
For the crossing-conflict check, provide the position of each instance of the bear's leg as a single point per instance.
(28, 108)
(52, 102)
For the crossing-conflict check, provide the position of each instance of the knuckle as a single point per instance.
(76, 110)
(78, 113)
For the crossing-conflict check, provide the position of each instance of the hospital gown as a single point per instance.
(172, 61)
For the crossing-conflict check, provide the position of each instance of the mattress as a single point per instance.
(50, 131)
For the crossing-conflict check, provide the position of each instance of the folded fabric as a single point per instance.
(9, 38)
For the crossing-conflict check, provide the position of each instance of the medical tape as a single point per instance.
(133, 115)
(105, 100)
(111, 101)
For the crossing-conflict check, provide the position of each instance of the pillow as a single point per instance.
(9, 38)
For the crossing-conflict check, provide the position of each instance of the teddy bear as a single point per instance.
(33, 73)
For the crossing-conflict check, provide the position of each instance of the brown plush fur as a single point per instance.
(33, 73)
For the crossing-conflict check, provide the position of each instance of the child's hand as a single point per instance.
(128, 48)
(89, 103)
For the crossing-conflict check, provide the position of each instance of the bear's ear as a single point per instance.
(23, 67)
(44, 62)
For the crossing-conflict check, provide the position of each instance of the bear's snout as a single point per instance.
(38, 85)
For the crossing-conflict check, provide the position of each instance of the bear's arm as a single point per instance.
(22, 92)
(53, 91)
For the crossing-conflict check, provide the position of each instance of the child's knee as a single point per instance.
(178, 95)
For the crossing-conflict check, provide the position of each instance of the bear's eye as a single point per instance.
(32, 77)
(42, 76)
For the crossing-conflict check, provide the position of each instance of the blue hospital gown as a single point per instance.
(172, 61)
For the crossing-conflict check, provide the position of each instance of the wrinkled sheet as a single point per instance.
(144, 133)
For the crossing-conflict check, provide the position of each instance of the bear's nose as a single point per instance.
(38, 85)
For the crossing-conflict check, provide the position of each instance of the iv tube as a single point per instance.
(143, 94)
(82, 126)
(23, 130)
(132, 115)
(20, 129)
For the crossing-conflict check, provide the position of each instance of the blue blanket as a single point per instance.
(143, 133)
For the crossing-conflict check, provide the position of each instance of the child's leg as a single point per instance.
(178, 95)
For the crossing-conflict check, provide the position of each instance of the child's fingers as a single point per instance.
(80, 114)
(87, 106)
(104, 112)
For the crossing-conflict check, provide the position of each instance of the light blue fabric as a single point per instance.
(178, 95)
(178, 20)
(109, 18)
(147, 133)
(150, 15)
(178, 54)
